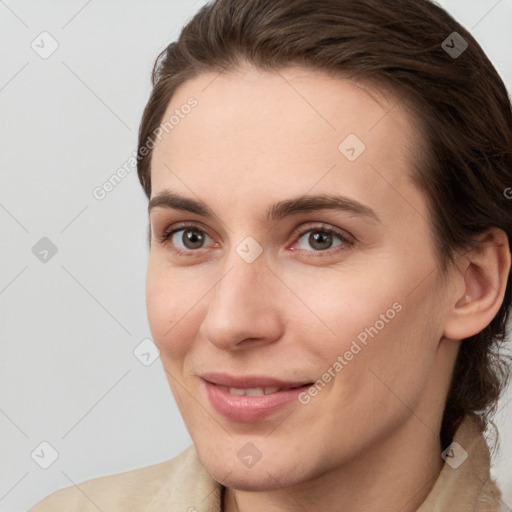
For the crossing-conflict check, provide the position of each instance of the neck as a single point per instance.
(409, 460)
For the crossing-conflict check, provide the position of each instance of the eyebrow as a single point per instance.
(277, 211)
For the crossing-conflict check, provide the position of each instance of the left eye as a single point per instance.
(321, 239)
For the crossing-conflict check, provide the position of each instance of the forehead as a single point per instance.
(289, 130)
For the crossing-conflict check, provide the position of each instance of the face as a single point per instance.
(289, 243)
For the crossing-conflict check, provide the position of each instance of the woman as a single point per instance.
(329, 269)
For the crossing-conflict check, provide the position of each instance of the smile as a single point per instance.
(251, 404)
(252, 391)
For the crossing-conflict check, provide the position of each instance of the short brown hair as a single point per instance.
(460, 103)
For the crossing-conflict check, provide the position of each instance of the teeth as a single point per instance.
(251, 391)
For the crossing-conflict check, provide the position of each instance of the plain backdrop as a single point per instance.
(73, 267)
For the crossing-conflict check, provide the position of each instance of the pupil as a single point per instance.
(191, 239)
(324, 240)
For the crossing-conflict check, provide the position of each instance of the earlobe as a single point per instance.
(485, 271)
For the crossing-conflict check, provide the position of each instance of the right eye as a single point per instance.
(184, 238)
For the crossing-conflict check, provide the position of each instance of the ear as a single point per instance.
(481, 279)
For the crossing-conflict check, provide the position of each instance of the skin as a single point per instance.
(257, 138)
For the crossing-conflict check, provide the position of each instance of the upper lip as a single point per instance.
(250, 381)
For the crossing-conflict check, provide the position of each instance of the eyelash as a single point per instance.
(345, 238)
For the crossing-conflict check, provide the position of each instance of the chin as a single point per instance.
(246, 480)
(265, 475)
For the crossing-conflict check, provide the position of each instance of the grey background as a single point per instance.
(70, 325)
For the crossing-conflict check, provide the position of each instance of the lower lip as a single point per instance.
(250, 408)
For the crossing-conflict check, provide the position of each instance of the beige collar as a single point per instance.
(466, 488)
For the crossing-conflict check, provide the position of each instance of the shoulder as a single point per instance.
(128, 491)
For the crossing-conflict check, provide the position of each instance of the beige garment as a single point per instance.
(182, 484)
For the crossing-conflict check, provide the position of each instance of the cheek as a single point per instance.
(171, 312)
(388, 342)
(383, 318)
(339, 305)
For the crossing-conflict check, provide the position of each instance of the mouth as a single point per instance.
(258, 391)
(250, 399)
(252, 381)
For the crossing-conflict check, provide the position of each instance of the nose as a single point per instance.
(243, 308)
